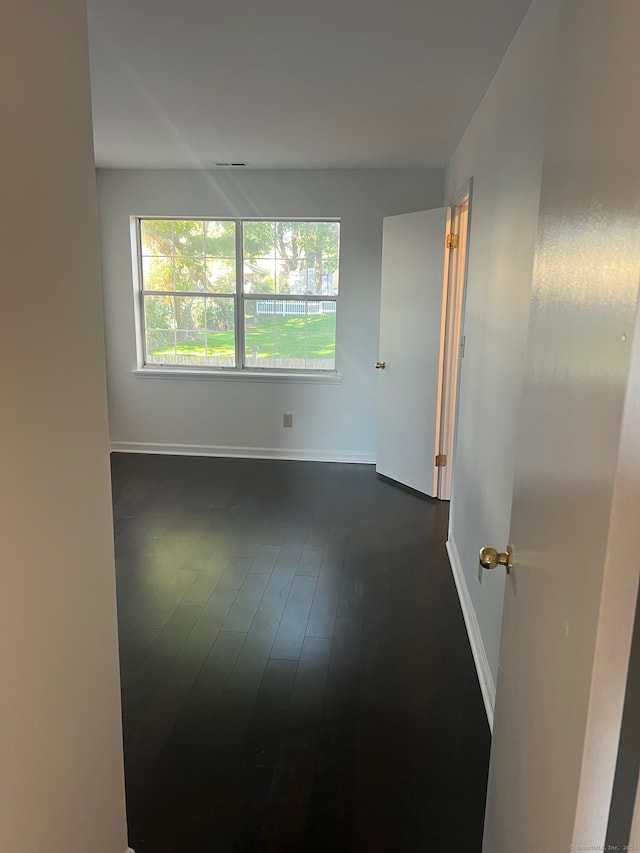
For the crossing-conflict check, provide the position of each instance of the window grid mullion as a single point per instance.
(240, 312)
(142, 308)
(200, 294)
(206, 290)
(293, 297)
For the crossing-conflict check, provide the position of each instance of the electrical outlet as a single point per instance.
(287, 420)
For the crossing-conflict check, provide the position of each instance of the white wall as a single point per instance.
(61, 782)
(331, 421)
(502, 150)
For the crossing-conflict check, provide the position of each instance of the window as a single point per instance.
(232, 294)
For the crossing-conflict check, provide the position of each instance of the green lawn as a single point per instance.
(279, 337)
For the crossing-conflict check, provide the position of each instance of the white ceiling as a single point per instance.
(290, 83)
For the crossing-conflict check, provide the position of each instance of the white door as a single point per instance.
(570, 598)
(410, 372)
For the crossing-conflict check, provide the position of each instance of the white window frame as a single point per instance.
(153, 369)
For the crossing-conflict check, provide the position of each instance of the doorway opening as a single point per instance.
(424, 260)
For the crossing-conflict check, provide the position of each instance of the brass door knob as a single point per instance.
(490, 558)
(380, 365)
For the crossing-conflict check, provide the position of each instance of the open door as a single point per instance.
(570, 596)
(412, 314)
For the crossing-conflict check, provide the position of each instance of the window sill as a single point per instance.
(328, 378)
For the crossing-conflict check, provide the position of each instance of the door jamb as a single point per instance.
(454, 296)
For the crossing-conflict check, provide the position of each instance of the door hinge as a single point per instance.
(441, 460)
(453, 241)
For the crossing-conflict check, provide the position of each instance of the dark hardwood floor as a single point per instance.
(296, 674)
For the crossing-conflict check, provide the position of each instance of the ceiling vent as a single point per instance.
(233, 165)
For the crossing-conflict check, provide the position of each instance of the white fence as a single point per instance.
(251, 360)
(284, 308)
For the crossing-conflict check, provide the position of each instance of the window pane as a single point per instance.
(290, 334)
(167, 237)
(188, 238)
(260, 275)
(258, 239)
(156, 236)
(290, 240)
(221, 275)
(173, 273)
(220, 239)
(301, 281)
(157, 273)
(190, 330)
(322, 255)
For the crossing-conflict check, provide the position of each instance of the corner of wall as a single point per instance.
(485, 678)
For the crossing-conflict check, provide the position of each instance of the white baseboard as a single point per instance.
(244, 452)
(485, 677)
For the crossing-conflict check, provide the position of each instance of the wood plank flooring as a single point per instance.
(295, 670)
